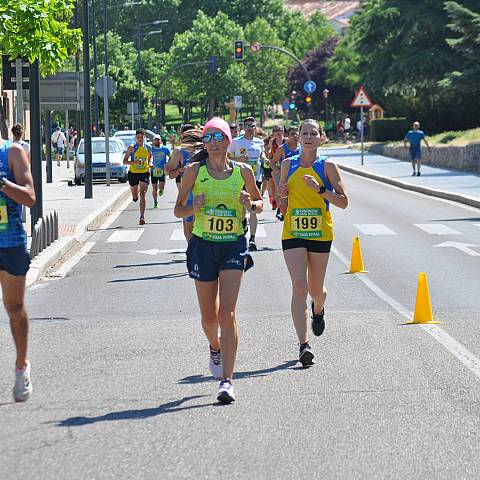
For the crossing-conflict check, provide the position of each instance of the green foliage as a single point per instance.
(386, 129)
(38, 29)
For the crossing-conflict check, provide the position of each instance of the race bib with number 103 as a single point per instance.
(220, 225)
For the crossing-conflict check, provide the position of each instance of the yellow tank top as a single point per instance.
(221, 220)
(308, 215)
(140, 153)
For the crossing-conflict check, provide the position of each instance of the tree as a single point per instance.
(38, 29)
(465, 24)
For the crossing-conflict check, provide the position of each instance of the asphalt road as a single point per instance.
(122, 388)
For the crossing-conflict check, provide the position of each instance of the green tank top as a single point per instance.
(221, 220)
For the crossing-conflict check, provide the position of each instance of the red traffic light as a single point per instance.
(238, 50)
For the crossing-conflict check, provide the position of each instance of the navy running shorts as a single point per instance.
(15, 260)
(415, 153)
(205, 259)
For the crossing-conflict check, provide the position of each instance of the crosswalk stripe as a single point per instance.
(375, 229)
(178, 235)
(437, 229)
(126, 235)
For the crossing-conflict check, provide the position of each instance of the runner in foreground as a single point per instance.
(16, 189)
(217, 253)
(311, 185)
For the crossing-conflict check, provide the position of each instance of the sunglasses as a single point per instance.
(250, 125)
(219, 137)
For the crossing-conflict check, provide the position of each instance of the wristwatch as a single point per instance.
(322, 190)
(253, 207)
(3, 182)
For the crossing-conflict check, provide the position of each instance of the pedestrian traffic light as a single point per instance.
(292, 105)
(308, 99)
(238, 50)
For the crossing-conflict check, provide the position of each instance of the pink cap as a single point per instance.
(219, 124)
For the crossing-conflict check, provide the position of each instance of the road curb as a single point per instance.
(52, 254)
(455, 197)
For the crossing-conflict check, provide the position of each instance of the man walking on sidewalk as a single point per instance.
(415, 137)
(16, 189)
(59, 143)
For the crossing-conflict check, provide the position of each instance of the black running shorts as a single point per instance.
(313, 246)
(135, 178)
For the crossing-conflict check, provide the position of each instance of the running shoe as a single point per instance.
(215, 364)
(160, 193)
(134, 199)
(318, 321)
(413, 174)
(22, 389)
(225, 391)
(252, 246)
(155, 205)
(306, 356)
(280, 216)
(141, 221)
(418, 174)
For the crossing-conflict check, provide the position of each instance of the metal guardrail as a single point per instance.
(44, 233)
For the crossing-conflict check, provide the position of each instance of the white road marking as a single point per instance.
(452, 345)
(126, 235)
(261, 232)
(437, 229)
(463, 247)
(374, 229)
(156, 251)
(177, 235)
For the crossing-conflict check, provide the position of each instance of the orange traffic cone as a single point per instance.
(356, 264)
(423, 305)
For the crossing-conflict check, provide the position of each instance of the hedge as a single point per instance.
(387, 129)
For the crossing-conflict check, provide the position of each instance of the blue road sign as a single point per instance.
(310, 86)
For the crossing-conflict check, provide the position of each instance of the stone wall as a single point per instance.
(459, 158)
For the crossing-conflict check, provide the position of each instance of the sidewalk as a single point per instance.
(76, 215)
(455, 185)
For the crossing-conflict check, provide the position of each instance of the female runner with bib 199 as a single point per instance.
(217, 253)
(311, 185)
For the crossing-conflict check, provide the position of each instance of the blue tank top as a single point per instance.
(159, 156)
(186, 159)
(12, 233)
(290, 153)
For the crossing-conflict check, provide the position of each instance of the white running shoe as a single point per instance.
(225, 391)
(215, 364)
(22, 390)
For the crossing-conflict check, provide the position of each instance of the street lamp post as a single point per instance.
(139, 72)
(326, 92)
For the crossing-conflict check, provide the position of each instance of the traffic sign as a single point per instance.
(9, 73)
(237, 101)
(362, 99)
(310, 86)
(255, 47)
(111, 87)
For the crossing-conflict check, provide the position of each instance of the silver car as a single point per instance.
(128, 136)
(118, 171)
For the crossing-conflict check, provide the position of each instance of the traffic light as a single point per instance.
(292, 105)
(308, 99)
(238, 50)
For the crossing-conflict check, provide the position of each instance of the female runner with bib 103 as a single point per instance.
(217, 253)
(311, 185)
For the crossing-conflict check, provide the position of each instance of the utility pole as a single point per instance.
(86, 104)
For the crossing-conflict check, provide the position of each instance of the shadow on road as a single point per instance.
(155, 277)
(237, 375)
(170, 407)
(155, 264)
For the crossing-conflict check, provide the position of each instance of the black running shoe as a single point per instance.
(418, 174)
(318, 321)
(306, 357)
(252, 246)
